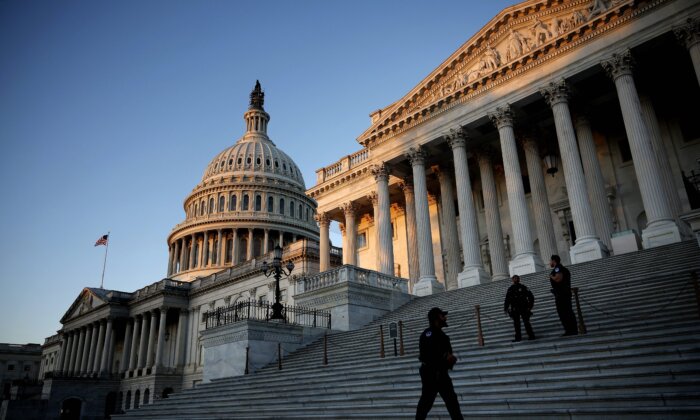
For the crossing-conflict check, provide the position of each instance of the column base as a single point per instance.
(525, 264)
(471, 276)
(588, 250)
(662, 233)
(428, 286)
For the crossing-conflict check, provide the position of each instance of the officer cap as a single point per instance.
(434, 313)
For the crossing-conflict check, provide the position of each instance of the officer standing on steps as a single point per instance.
(518, 304)
(560, 279)
(436, 359)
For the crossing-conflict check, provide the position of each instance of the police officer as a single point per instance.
(518, 304)
(436, 359)
(560, 279)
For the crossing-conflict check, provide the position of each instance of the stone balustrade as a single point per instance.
(351, 274)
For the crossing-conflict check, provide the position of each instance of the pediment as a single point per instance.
(86, 301)
(515, 38)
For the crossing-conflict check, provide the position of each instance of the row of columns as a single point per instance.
(214, 252)
(87, 350)
(590, 211)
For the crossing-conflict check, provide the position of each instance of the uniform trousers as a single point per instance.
(566, 314)
(526, 320)
(434, 382)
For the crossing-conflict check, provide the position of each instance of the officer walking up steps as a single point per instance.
(436, 359)
(518, 304)
(560, 278)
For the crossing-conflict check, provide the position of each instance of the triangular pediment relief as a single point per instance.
(86, 301)
(514, 38)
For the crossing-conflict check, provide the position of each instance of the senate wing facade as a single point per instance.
(562, 127)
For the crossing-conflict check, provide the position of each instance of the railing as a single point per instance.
(251, 310)
(351, 274)
(344, 164)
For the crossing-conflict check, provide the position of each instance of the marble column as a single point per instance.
(657, 143)
(104, 367)
(143, 342)
(234, 244)
(427, 283)
(411, 237)
(221, 248)
(661, 228)
(86, 350)
(525, 260)
(689, 35)
(126, 353)
(150, 352)
(249, 250)
(281, 243)
(373, 197)
(90, 368)
(205, 250)
(181, 336)
(385, 250)
(350, 251)
(499, 266)
(98, 348)
(176, 258)
(62, 354)
(540, 200)
(324, 259)
(71, 353)
(449, 232)
(135, 343)
(266, 239)
(171, 255)
(183, 254)
(161, 336)
(588, 246)
(193, 243)
(473, 272)
(79, 352)
(595, 182)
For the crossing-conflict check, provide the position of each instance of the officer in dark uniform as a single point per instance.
(518, 304)
(436, 359)
(560, 278)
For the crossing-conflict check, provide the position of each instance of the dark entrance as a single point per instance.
(70, 409)
(110, 404)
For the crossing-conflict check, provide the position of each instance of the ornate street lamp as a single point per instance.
(277, 271)
(551, 161)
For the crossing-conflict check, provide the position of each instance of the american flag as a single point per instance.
(102, 240)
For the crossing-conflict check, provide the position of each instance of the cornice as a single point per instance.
(446, 87)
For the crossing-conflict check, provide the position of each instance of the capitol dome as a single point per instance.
(250, 199)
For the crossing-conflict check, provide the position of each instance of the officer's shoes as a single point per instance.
(517, 340)
(568, 334)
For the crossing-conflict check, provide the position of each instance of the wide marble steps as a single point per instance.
(639, 359)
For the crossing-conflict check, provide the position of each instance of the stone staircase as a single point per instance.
(640, 358)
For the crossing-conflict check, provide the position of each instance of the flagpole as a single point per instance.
(102, 282)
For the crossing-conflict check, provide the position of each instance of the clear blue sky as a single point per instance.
(110, 112)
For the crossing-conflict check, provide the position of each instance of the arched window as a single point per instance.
(221, 204)
(196, 253)
(232, 203)
(202, 204)
(291, 208)
(127, 404)
(281, 205)
(246, 202)
(146, 396)
(229, 250)
(270, 204)
(299, 213)
(195, 210)
(137, 397)
(258, 202)
(211, 205)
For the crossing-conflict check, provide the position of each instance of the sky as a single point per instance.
(111, 110)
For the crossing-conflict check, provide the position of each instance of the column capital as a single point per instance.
(163, 309)
(486, 154)
(380, 171)
(441, 171)
(620, 64)
(502, 116)
(528, 143)
(406, 186)
(374, 198)
(416, 156)
(348, 208)
(688, 34)
(323, 220)
(556, 92)
(457, 138)
(581, 120)
(342, 228)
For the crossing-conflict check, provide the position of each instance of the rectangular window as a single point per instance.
(625, 152)
(362, 240)
(10, 367)
(27, 368)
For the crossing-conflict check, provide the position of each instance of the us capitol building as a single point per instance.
(563, 127)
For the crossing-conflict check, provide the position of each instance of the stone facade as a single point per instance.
(593, 85)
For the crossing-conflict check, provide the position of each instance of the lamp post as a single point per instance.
(551, 162)
(276, 270)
